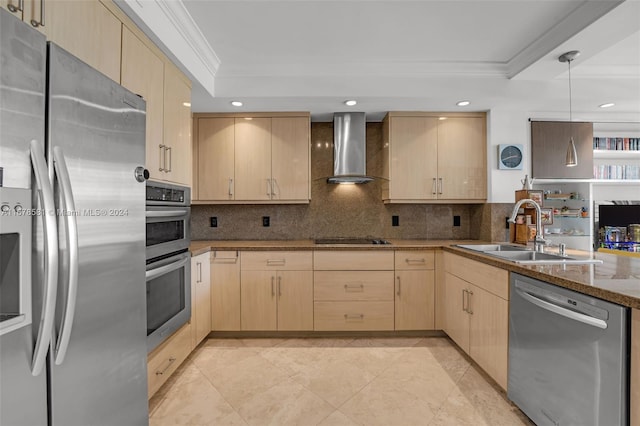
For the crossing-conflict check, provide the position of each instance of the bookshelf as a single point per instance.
(616, 151)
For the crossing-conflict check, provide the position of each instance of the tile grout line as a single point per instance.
(221, 394)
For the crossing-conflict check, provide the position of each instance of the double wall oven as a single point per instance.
(168, 273)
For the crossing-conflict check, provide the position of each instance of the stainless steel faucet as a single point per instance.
(538, 241)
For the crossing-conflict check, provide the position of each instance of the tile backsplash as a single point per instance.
(347, 210)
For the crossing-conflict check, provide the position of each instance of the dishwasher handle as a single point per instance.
(567, 313)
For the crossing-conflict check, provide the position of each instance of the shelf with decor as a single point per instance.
(568, 205)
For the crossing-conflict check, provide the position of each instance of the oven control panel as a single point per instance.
(167, 194)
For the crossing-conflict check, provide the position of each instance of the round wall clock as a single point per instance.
(510, 157)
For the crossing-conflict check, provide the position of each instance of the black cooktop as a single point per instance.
(351, 241)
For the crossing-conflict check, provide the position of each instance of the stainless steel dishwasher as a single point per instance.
(568, 356)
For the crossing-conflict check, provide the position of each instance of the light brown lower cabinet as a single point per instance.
(477, 312)
(166, 358)
(276, 291)
(414, 290)
(635, 367)
(200, 297)
(225, 290)
(276, 300)
(353, 290)
(359, 315)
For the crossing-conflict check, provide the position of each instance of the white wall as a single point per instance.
(507, 126)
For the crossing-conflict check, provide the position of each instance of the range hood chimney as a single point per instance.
(349, 148)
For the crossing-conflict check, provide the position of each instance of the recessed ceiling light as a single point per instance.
(442, 118)
(236, 103)
(607, 105)
(350, 102)
(463, 103)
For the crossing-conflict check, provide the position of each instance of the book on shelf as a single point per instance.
(616, 144)
(618, 172)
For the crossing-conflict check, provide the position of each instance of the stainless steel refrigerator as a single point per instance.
(74, 352)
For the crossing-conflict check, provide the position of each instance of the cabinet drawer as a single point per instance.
(166, 359)
(353, 316)
(276, 260)
(225, 256)
(492, 279)
(414, 259)
(364, 260)
(353, 285)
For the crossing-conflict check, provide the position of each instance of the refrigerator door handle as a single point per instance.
(50, 234)
(60, 168)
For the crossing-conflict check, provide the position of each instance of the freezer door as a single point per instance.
(97, 129)
(23, 397)
(22, 86)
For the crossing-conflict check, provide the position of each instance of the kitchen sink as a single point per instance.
(523, 255)
(492, 247)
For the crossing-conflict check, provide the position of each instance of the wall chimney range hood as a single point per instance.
(349, 148)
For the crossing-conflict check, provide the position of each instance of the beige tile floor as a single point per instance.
(379, 381)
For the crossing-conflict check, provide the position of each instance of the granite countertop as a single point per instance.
(198, 247)
(616, 280)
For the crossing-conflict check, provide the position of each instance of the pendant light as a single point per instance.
(572, 156)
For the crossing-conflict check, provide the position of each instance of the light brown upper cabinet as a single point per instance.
(177, 159)
(143, 74)
(214, 158)
(431, 157)
(258, 158)
(549, 142)
(253, 159)
(165, 90)
(290, 149)
(87, 29)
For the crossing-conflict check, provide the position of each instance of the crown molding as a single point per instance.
(410, 69)
(169, 23)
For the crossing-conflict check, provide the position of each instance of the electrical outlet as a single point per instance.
(266, 221)
(456, 221)
(395, 220)
(214, 222)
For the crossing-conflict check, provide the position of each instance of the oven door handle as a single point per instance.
(156, 272)
(166, 213)
(577, 316)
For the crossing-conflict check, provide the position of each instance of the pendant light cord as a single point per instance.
(570, 103)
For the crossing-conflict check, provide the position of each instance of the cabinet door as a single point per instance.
(84, 28)
(177, 126)
(549, 142)
(203, 298)
(13, 4)
(489, 333)
(414, 302)
(462, 159)
(290, 158)
(253, 159)
(143, 74)
(413, 158)
(258, 300)
(295, 300)
(456, 319)
(225, 291)
(215, 159)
